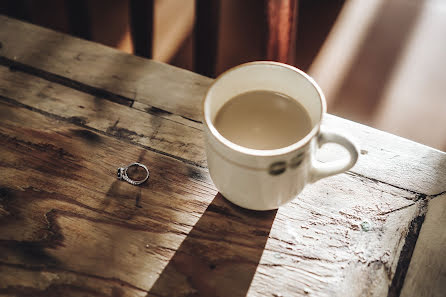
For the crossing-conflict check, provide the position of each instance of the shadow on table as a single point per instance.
(220, 255)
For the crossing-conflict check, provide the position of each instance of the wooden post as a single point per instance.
(282, 28)
(207, 15)
(141, 23)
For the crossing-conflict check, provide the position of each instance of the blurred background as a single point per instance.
(379, 62)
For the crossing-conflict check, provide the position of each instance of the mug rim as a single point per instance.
(273, 152)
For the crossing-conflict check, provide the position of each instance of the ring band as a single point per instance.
(122, 174)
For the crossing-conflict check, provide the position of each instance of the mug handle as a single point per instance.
(319, 169)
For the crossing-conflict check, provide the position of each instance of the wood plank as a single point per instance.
(206, 34)
(141, 22)
(427, 271)
(152, 83)
(392, 159)
(385, 157)
(150, 127)
(61, 170)
(67, 217)
(342, 230)
(282, 28)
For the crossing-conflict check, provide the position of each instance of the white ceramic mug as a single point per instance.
(267, 179)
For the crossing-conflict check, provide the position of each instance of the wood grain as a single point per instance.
(150, 127)
(156, 84)
(79, 188)
(385, 157)
(66, 217)
(392, 159)
(427, 271)
(70, 228)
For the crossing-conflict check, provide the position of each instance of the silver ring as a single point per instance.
(122, 174)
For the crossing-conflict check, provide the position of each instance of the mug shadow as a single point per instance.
(220, 255)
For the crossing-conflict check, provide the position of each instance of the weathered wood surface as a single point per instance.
(113, 75)
(69, 228)
(64, 211)
(395, 160)
(152, 128)
(102, 69)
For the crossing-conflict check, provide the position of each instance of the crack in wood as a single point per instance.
(17, 66)
(169, 116)
(77, 122)
(301, 256)
(397, 209)
(104, 94)
(407, 251)
(436, 195)
(157, 111)
(352, 173)
(192, 120)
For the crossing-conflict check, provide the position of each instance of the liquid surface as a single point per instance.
(263, 120)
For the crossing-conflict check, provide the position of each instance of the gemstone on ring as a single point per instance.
(120, 173)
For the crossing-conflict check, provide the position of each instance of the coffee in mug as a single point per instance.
(263, 120)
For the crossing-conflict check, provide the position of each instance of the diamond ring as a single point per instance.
(122, 174)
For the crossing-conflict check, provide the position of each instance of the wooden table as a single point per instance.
(73, 111)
